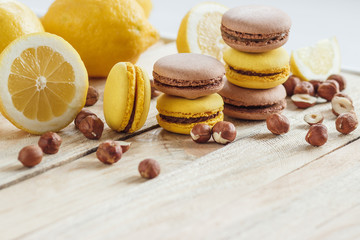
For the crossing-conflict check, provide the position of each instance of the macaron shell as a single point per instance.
(143, 98)
(185, 108)
(186, 128)
(268, 62)
(254, 113)
(190, 93)
(189, 66)
(119, 95)
(256, 19)
(252, 97)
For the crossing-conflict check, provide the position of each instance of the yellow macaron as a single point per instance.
(180, 115)
(127, 97)
(257, 70)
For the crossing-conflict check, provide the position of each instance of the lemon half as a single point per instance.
(43, 83)
(199, 31)
(318, 61)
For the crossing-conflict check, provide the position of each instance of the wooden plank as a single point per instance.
(199, 200)
(74, 144)
(78, 198)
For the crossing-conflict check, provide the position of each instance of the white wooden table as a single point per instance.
(261, 186)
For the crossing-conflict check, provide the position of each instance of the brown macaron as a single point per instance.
(252, 104)
(255, 28)
(188, 75)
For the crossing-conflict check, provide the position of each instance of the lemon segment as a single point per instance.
(199, 30)
(43, 83)
(317, 61)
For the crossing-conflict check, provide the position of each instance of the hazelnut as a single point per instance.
(340, 80)
(149, 168)
(328, 89)
(109, 152)
(277, 124)
(81, 115)
(224, 132)
(317, 135)
(92, 127)
(316, 84)
(340, 94)
(341, 105)
(154, 92)
(50, 142)
(290, 84)
(30, 156)
(313, 118)
(346, 122)
(303, 100)
(92, 96)
(201, 133)
(304, 88)
(125, 146)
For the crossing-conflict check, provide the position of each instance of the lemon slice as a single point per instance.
(43, 83)
(199, 30)
(317, 61)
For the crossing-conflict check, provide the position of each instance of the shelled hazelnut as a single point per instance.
(224, 132)
(303, 100)
(290, 84)
(92, 127)
(81, 115)
(201, 133)
(125, 146)
(341, 104)
(313, 118)
(340, 80)
(149, 168)
(328, 89)
(30, 156)
(304, 88)
(278, 124)
(109, 152)
(346, 122)
(92, 96)
(317, 135)
(50, 142)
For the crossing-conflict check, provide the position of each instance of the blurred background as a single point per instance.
(312, 21)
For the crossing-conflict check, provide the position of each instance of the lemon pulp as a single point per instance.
(41, 83)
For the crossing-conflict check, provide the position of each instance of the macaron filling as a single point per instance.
(188, 120)
(168, 82)
(252, 39)
(250, 73)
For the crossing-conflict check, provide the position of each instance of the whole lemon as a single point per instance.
(16, 20)
(146, 5)
(104, 32)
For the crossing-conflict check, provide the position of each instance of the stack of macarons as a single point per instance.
(190, 83)
(256, 64)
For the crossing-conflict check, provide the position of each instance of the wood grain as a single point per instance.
(261, 186)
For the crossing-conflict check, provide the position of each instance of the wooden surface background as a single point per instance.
(261, 186)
